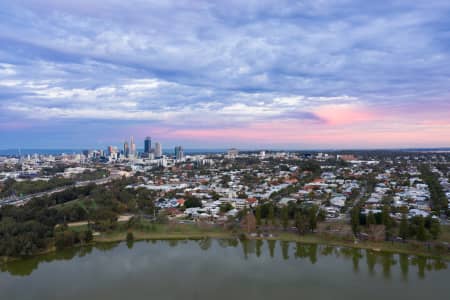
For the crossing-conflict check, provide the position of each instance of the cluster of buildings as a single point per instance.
(129, 151)
(239, 180)
(370, 182)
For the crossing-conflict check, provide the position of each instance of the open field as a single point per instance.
(162, 231)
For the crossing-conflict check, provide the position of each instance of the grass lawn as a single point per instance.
(85, 203)
(165, 231)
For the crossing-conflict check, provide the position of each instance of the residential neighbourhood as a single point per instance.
(223, 184)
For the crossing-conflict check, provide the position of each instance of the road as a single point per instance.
(18, 201)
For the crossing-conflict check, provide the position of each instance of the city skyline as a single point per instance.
(250, 75)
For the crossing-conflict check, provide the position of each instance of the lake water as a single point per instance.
(223, 269)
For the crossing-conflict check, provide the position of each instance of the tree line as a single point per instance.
(42, 222)
(418, 227)
(438, 199)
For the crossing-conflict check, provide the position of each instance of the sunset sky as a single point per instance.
(217, 74)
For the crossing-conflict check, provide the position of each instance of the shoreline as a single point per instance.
(120, 236)
(285, 237)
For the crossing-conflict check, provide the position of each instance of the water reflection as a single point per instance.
(404, 265)
(376, 263)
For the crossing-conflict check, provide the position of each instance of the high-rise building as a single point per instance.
(179, 153)
(112, 152)
(147, 145)
(158, 149)
(126, 149)
(233, 152)
(132, 147)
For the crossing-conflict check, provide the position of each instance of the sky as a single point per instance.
(249, 74)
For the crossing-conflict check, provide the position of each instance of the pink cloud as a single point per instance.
(304, 134)
(344, 126)
(342, 114)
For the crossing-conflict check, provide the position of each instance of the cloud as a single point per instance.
(202, 64)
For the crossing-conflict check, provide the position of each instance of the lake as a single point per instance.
(223, 269)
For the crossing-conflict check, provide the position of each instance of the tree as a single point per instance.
(404, 227)
(322, 215)
(421, 233)
(88, 236)
(385, 218)
(258, 215)
(162, 218)
(248, 221)
(214, 195)
(285, 217)
(271, 215)
(225, 180)
(224, 207)
(105, 219)
(435, 228)
(130, 239)
(312, 216)
(386, 221)
(300, 222)
(438, 199)
(354, 219)
(65, 239)
(192, 202)
(242, 195)
(371, 219)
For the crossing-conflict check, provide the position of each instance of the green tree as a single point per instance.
(65, 239)
(225, 180)
(192, 202)
(130, 239)
(322, 215)
(312, 218)
(371, 219)
(404, 227)
(438, 199)
(435, 228)
(224, 207)
(271, 216)
(354, 219)
(271, 244)
(300, 222)
(387, 221)
(88, 236)
(258, 215)
(285, 217)
(421, 233)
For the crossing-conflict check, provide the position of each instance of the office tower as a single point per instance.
(110, 150)
(147, 145)
(233, 152)
(262, 154)
(126, 149)
(179, 153)
(158, 149)
(132, 147)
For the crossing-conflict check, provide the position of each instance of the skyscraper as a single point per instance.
(147, 145)
(132, 147)
(126, 149)
(233, 152)
(158, 149)
(179, 153)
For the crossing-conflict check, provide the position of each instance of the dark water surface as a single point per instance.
(223, 269)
